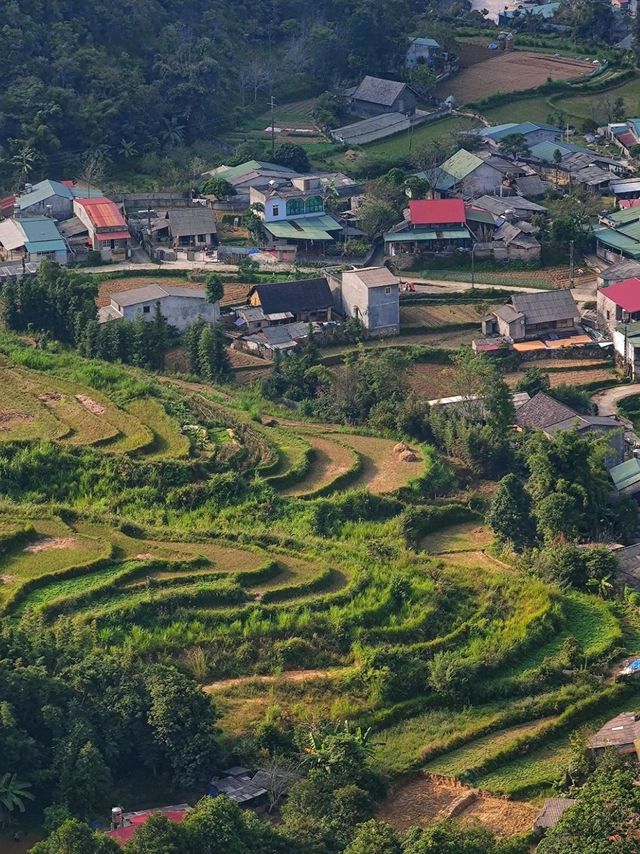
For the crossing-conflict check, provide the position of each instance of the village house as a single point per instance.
(510, 207)
(624, 134)
(626, 347)
(424, 51)
(252, 173)
(307, 300)
(532, 132)
(510, 241)
(543, 412)
(534, 314)
(619, 236)
(433, 225)
(626, 191)
(466, 173)
(107, 230)
(32, 239)
(51, 198)
(618, 272)
(619, 303)
(179, 306)
(626, 477)
(621, 733)
(282, 339)
(182, 229)
(376, 95)
(370, 295)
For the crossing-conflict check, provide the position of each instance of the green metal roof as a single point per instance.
(309, 228)
(418, 235)
(251, 166)
(46, 246)
(617, 239)
(461, 164)
(626, 474)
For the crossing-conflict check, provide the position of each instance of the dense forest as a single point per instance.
(132, 76)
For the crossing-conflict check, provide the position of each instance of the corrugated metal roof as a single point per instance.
(420, 235)
(372, 128)
(103, 213)
(461, 164)
(46, 246)
(626, 294)
(253, 166)
(155, 292)
(42, 191)
(425, 42)
(436, 211)
(185, 222)
(305, 228)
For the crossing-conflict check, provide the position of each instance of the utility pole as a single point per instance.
(473, 267)
(571, 264)
(273, 130)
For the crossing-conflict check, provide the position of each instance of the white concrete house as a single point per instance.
(179, 306)
(422, 51)
(369, 294)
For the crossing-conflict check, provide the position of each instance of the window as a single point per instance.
(314, 204)
(295, 207)
(276, 210)
(202, 238)
(146, 309)
(387, 290)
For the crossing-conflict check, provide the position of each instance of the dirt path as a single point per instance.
(286, 676)
(608, 399)
(585, 292)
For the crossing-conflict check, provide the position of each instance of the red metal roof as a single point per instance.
(627, 139)
(103, 213)
(123, 834)
(624, 204)
(7, 203)
(626, 294)
(437, 211)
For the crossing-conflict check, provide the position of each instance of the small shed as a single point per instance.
(551, 813)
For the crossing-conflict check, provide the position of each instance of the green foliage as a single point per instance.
(374, 837)
(218, 187)
(292, 156)
(74, 837)
(510, 513)
(533, 381)
(214, 287)
(514, 145)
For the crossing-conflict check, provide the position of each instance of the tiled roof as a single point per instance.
(437, 211)
(375, 277)
(155, 292)
(306, 295)
(621, 730)
(542, 411)
(552, 812)
(546, 306)
(377, 90)
(188, 221)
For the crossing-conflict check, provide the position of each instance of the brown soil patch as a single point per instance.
(7, 579)
(7, 419)
(569, 377)
(144, 556)
(432, 381)
(514, 71)
(423, 800)
(240, 359)
(235, 294)
(90, 404)
(51, 543)
(330, 461)
(50, 397)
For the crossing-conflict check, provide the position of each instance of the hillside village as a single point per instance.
(320, 464)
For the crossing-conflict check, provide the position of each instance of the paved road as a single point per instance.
(607, 400)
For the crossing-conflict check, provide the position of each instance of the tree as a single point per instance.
(191, 342)
(375, 217)
(214, 287)
(75, 837)
(182, 719)
(429, 161)
(423, 79)
(606, 817)
(292, 156)
(218, 187)
(558, 515)
(449, 838)
(534, 381)
(13, 794)
(416, 188)
(213, 360)
(514, 145)
(374, 837)
(159, 835)
(510, 513)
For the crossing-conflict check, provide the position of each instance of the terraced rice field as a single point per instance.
(382, 469)
(331, 460)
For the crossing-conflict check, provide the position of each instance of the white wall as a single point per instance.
(180, 312)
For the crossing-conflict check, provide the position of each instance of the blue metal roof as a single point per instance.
(43, 191)
(546, 150)
(38, 228)
(46, 246)
(499, 131)
(425, 42)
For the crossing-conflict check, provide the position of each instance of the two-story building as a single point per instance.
(107, 230)
(619, 303)
(370, 295)
(432, 225)
(423, 51)
(32, 239)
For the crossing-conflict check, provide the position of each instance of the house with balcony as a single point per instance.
(107, 231)
(430, 225)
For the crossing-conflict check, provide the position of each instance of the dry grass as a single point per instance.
(511, 72)
(382, 470)
(570, 377)
(432, 381)
(441, 315)
(330, 461)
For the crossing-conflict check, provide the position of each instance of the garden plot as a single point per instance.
(437, 316)
(464, 537)
(572, 376)
(168, 440)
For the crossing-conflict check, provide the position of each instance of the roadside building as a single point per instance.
(618, 236)
(433, 225)
(32, 239)
(251, 173)
(124, 826)
(107, 230)
(626, 346)
(375, 95)
(51, 198)
(468, 174)
(179, 306)
(619, 303)
(618, 272)
(532, 132)
(531, 315)
(184, 228)
(516, 241)
(510, 207)
(370, 295)
(307, 300)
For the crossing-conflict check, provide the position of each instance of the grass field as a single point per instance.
(331, 460)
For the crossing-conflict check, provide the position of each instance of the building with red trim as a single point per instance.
(619, 303)
(431, 225)
(125, 826)
(108, 233)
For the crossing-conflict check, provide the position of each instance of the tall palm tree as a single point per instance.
(25, 161)
(172, 133)
(13, 793)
